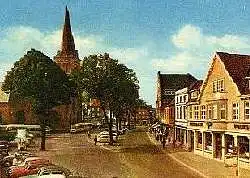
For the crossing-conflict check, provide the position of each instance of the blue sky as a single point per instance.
(171, 36)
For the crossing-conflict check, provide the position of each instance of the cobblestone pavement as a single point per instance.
(135, 157)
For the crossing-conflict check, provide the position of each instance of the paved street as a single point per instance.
(137, 157)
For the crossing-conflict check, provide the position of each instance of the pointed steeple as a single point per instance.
(67, 58)
(68, 44)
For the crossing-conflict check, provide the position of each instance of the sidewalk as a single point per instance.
(203, 166)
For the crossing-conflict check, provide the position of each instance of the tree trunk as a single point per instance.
(110, 123)
(129, 119)
(111, 141)
(43, 133)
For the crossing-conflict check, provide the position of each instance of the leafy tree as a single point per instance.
(113, 84)
(37, 79)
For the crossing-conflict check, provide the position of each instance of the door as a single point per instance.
(218, 145)
(192, 140)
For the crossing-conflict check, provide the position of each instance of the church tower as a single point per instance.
(67, 58)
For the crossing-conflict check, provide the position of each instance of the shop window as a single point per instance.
(223, 111)
(247, 110)
(229, 139)
(199, 141)
(203, 112)
(235, 111)
(208, 141)
(196, 112)
(243, 143)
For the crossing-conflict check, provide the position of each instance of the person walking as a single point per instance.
(95, 139)
(163, 141)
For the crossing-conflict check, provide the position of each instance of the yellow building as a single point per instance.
(219, 123)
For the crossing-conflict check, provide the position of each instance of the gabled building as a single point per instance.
(167, 85)
(220, 120)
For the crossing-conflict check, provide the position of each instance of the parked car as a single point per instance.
(51, 171)
(29, 168)
(7, 161)
(103, 137)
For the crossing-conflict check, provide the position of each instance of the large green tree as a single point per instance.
(37, 79)
(112, 83)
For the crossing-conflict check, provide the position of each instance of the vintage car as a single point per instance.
(51, 171)
(7, 161)
(29, 168)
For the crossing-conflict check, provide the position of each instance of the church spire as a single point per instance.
(67, 58)
(68, 44)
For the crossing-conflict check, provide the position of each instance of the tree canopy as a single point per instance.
(112, 83)
(36, 78)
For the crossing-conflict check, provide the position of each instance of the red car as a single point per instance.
(29, 168)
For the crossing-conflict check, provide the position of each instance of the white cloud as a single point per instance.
(195, 49)
(128, 54)
(16, 41)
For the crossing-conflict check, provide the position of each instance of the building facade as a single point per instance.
(181, 99)
(167, 85)
(219, 121)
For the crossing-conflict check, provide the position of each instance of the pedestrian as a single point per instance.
(163, 141)
(89, 135)
(95, 139)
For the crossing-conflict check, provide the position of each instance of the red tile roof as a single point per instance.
(238, 68)
(196, 85)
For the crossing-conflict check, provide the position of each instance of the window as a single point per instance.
(199, 143)
(208, 141)
(209, 110)
(214, 87)
(181, 99)
(218, 86)
(185, 98)
(243, 146)
(214, 111)
(196, 112)
(203, 112)
(247, 110)
(180, 112)
(184, 112)
(190, 112)
(223, 111)
(235, 111)
(177, 112)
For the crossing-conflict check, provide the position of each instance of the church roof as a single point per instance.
(68, 44)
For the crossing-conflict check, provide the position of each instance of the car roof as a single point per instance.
(55, 168)
(33, 158)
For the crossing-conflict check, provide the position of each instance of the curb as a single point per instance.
(176, 159)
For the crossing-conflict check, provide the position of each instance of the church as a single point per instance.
(68, 60)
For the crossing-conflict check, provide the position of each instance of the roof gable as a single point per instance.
(238, 68)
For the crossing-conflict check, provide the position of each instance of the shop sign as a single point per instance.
(242, 126)
(196, 124)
